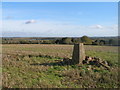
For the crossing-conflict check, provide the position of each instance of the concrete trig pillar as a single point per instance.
(78, 53)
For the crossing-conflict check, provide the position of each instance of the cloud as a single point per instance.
(30, 21)
(114, 27)
(97, 26)
(56, 29)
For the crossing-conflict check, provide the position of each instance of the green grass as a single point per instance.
(33, 70)
(111, 57)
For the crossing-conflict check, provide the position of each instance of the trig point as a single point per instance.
(78, 53)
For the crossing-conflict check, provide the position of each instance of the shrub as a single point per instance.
(86, 40)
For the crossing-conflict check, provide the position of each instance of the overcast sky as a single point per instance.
(59, 19)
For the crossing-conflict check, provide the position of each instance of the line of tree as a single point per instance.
(66, 40)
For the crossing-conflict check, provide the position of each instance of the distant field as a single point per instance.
(22, 67)
(54, 50)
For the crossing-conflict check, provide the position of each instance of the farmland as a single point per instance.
(36, 66)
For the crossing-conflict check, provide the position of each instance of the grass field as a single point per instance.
(35, 65)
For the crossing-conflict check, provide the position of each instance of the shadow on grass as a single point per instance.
(58, 63)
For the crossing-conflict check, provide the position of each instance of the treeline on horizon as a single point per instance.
(65, 40)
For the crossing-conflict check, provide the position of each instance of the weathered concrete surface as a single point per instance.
(78, 54)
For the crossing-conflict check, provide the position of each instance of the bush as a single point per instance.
(66, 41)
(86, 40)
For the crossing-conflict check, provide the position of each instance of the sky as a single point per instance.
(59, 19)
(60, 0)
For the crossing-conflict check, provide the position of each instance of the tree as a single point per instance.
(57, 41)
(113, 42)
(86, 40)
(96, 42)
(76, 40)
(102, 42)
(66, 40)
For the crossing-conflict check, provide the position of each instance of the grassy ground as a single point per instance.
(36, 66)
(53, 50)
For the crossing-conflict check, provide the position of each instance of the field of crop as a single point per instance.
(37, 66)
